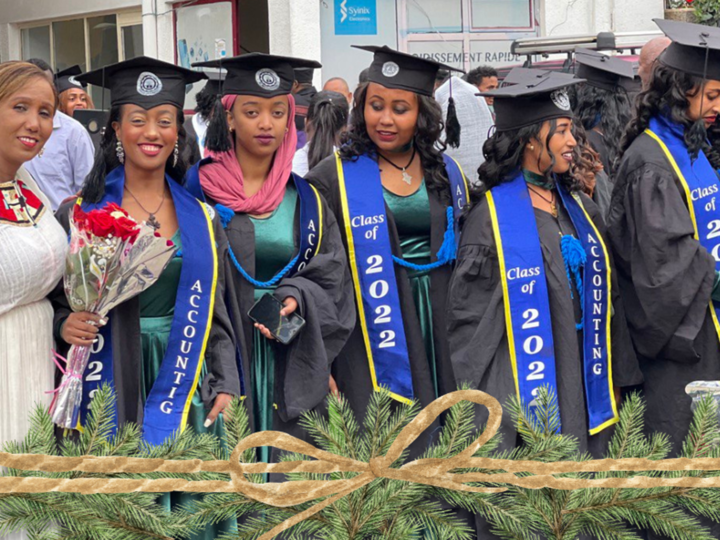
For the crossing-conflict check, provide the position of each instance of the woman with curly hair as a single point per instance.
(533, 301)
(397, 198)
(587, 167)
(601, 102)
(664, 222)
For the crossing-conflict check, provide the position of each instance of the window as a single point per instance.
(425, 16)
(204, 30)
(465, 33)
(131, 35)
(36, 43)
(491, 14)
(90, 42)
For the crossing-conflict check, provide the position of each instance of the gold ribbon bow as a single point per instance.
(434, 472)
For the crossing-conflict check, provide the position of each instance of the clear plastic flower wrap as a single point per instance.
(699, 390)
(111, 259)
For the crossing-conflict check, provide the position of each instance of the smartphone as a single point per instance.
(266, 311)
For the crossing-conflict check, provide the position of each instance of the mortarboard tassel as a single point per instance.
(452, 124)
(218, 133)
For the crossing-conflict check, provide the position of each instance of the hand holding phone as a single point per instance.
(289, 306)
(275, 320)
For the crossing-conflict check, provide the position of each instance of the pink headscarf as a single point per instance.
(223, 180)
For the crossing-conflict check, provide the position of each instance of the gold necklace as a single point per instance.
(551, 201)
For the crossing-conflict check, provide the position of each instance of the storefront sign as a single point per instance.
(355, 17)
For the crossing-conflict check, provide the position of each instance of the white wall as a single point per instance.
(568, 17)
(158, 37)
(294, 28)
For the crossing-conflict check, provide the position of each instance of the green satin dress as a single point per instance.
(274, 248)
(412, 219)
(157, 307)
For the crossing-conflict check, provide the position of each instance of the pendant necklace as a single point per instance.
(551, 201)
(151, 220)
(405, 176)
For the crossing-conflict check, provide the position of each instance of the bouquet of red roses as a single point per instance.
(111, 259)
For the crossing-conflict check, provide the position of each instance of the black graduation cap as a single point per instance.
(519, 75)
(215, 81)
(532, 101)
(601, 70)
(65, 79)
(394, 69)
(304, 75)
(259, 74)
(144, 81)
(695, 48)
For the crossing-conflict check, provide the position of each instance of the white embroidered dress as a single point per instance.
(32, 259)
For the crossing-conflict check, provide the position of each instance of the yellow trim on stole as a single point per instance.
(356, 279)
(320, 217)
(508, 317)
(186, 409)
(616, 418)
(691, 209)
(467, 187)
(506, 296)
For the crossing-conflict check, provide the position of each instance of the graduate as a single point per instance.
(283, 240)
(73, 93)
(533, 300)
(586, 166)
(397, 198)
(139, 166)
(601, 102)
(663, 226)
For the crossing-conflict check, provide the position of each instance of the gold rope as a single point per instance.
(433, 471)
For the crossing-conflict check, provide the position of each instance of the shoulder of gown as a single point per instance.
(665, 275)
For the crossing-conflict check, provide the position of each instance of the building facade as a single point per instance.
(462, 33)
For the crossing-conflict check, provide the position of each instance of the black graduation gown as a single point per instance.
(222, 376)
(666, 278)
(597, 141)
(192, 152)
(351, 370)
(478, 338)
(324, 293)
(302, 102)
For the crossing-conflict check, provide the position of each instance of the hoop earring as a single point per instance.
(176, 153)
(120, 152)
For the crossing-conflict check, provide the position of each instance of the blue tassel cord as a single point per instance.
(574, 257)
(226, 215)
(445, 255)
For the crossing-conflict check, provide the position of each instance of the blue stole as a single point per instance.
(528, 320)
(701, 185)
(311, 223)
(168, 403)
(371, 263)
(311, 231)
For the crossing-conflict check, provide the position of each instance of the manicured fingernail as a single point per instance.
(103, 322)
(208, 423)
(95, 340)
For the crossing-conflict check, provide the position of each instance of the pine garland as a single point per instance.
(385, 508)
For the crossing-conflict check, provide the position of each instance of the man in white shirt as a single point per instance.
(65, 161)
